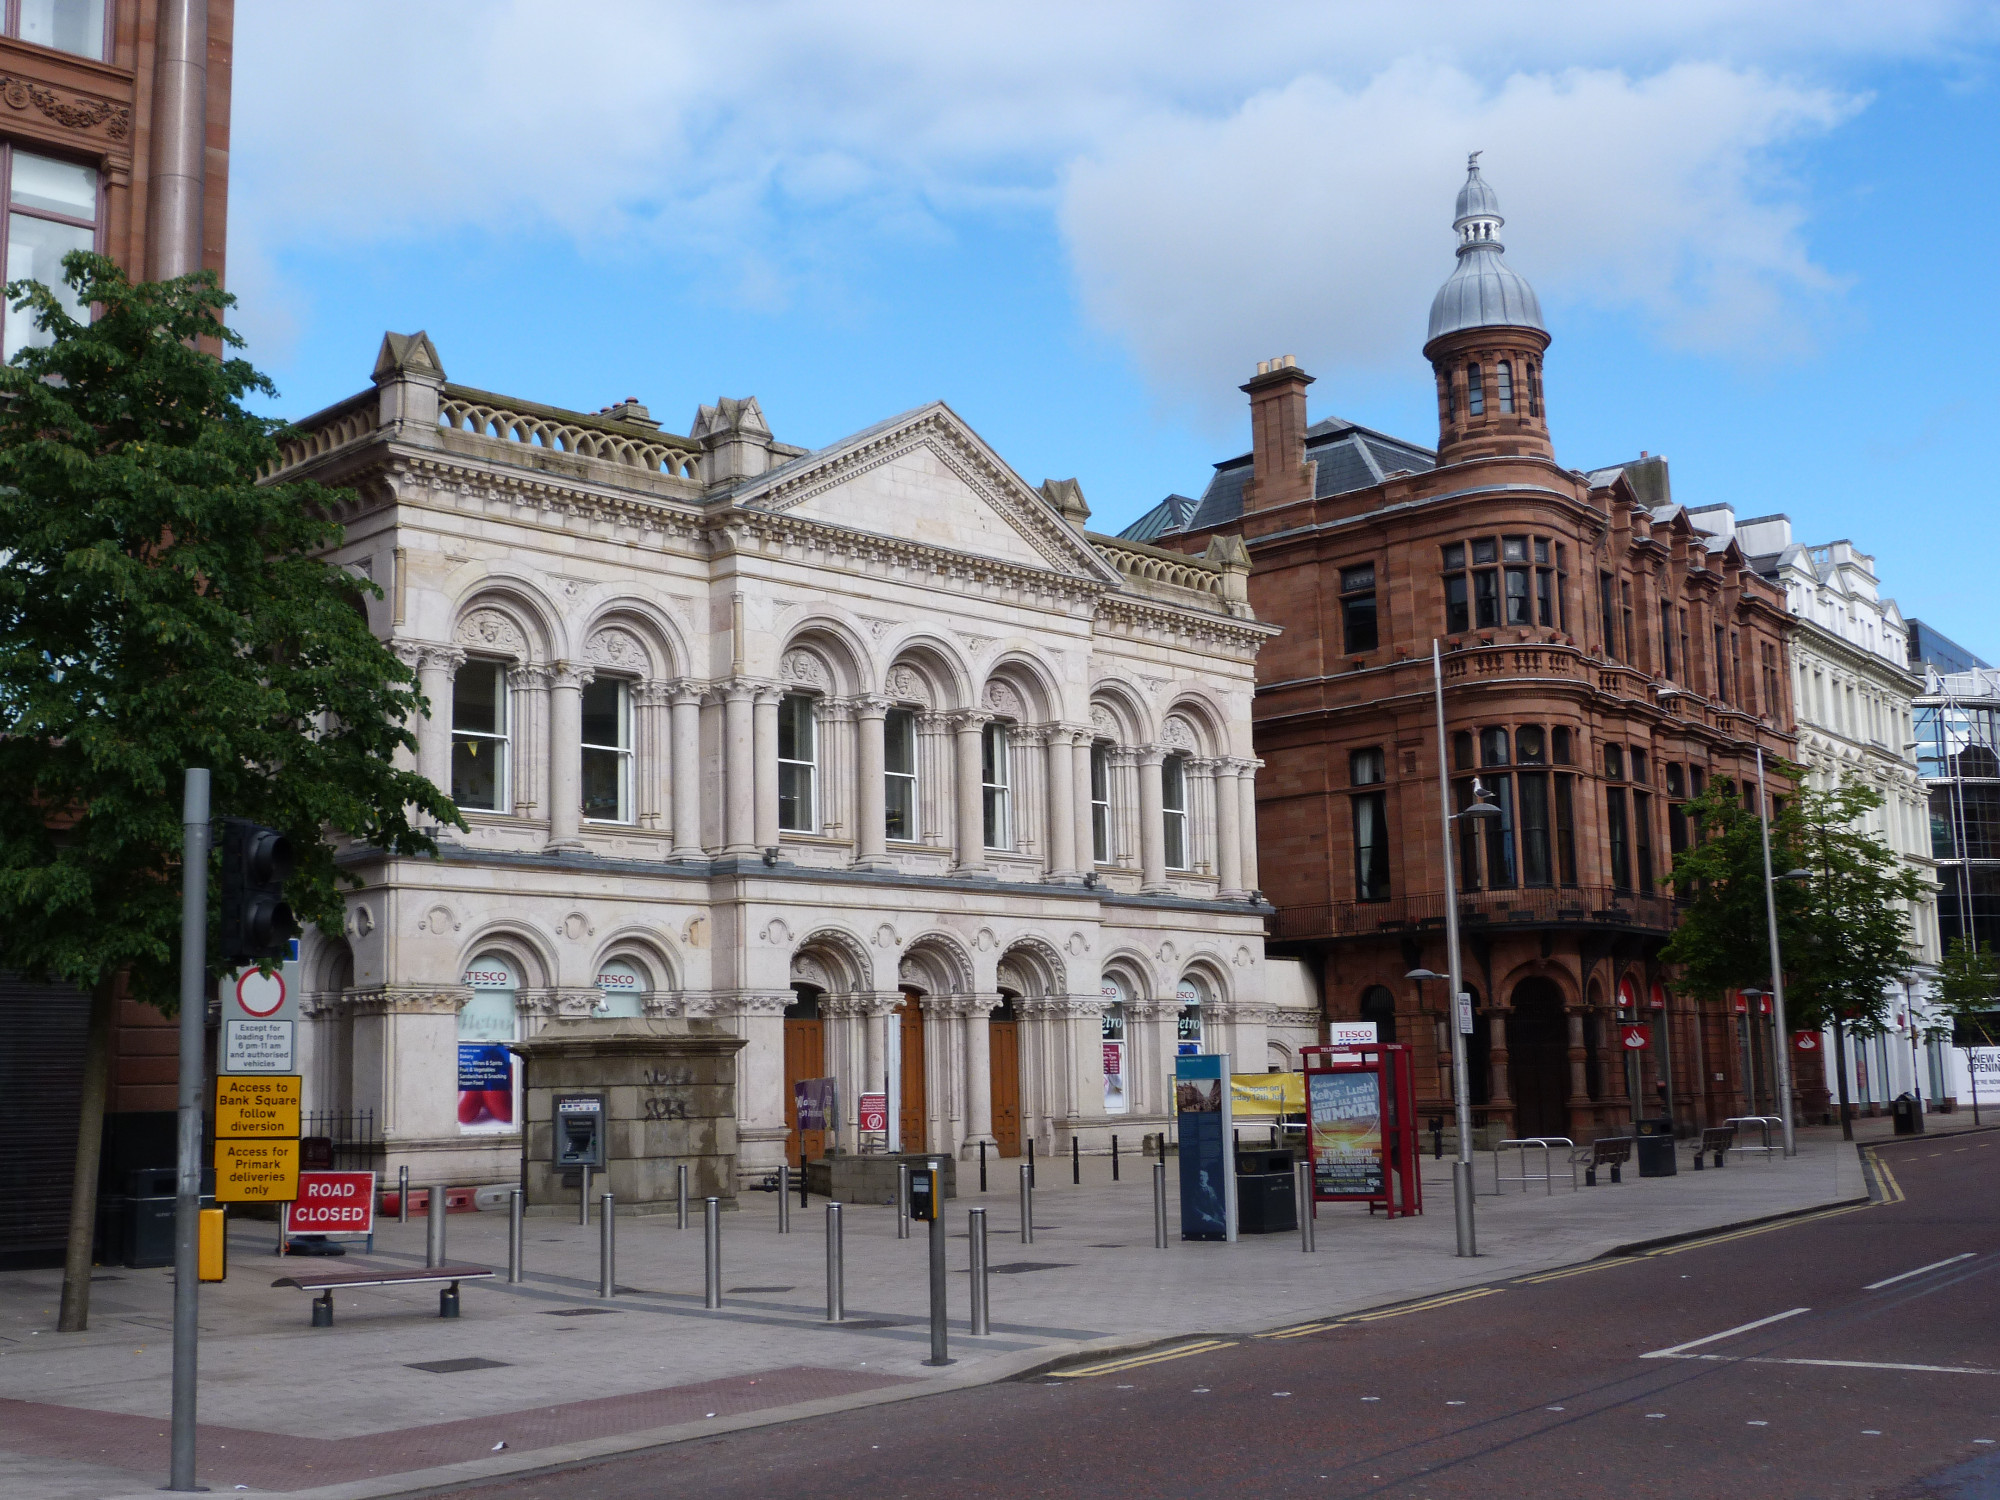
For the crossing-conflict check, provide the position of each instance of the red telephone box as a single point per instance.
(1361, 1112)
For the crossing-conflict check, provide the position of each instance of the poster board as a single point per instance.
(1207, 1169)
(1362, 1127)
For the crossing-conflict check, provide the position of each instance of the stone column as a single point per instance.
(527, 730)
(1152, 831)
(968, 726)
(978, 1073)
(1498, 1094)
(871, 836)
(1580, 1112)
(1081, 740)
(566, 755)
(1061, 779)
(1228, 831)
(650, 792)
(686, 809)
(436, 666)
(1246, 822)
(765, 779)
(739, 758)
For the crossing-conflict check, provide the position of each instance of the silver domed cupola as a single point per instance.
(1483, 291)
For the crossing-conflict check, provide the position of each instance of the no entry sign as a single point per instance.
(332, 1203)
(874, 1111)
(1635, 1035)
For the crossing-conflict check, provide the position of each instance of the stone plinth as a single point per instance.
(872, 1179)
(669, 1090)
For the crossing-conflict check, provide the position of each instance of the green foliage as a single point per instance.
(1968, 988)
(159, 609)
(1843, 930)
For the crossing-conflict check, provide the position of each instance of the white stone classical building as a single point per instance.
(1849, 658)
(872, 753)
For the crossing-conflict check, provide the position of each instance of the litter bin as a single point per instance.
(1264, 1194)
(146, 1227)
(1654, 1147)
(1909, 1116)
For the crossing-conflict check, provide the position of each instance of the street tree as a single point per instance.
(161, 609)
(1967, 995)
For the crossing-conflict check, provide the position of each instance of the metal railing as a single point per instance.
(1763, 1124)
(1546, 1144)
(356, 1146)
(1529, 906)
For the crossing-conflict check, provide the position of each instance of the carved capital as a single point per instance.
(968, 720)
(574, 675)
(534, 679)
(399, 1000)
(447, 659)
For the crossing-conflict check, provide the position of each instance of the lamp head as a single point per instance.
(1420, 975)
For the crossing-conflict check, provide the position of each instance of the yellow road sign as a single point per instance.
(257, 1106)
(256, 1171)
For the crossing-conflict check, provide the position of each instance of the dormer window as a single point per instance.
(1475, 392)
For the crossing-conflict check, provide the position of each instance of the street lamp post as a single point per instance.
(1781, 1039)
(1461, 1169)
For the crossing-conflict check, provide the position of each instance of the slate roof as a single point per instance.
(1350, 458)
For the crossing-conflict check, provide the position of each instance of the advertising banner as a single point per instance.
(1346, 1133)
(1984, 1063)
(1114, 1078)
(1267, 1096)
(814, 1098)
(332, 1203)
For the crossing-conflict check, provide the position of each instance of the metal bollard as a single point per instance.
(517, 1208)
(434, 1240)
(805, 1192)
(1302, 1195)
(1027, 1205)
(1075, 1162)
(902, 1200)
(1114, 1158)
(607, 1247)
(1159, 1205)
(402, 1195)
(784, 1198)
(982, 1167)
(975, 1234)
(681, 1194)
(940, 1338)
(1031, 1161)
(583, 1198)
(711, 1251)
(836, 1271)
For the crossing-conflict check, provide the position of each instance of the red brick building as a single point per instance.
(1603, 660)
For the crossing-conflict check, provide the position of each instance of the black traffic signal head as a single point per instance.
(257, 925)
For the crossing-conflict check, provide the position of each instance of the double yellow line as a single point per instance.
(1320, 1325)
(1137, 1361)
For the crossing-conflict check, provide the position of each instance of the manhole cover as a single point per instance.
(1017, 1267)
(579, 1312)
(455, 1366)
(733, 1291)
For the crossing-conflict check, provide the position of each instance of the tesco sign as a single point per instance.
(332, 1203)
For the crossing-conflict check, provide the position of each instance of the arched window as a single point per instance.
(1447, 395)
(1100, 803)
(486, 1023)
(479, 737)
(621, 989)
(607, 751)
(1379, 1005)
(1475, 392)
(1191, 993)
(1117, 1098)
(798, 763)
(1174, 810)
(899, 774)
(1504, 383)
(997, 786)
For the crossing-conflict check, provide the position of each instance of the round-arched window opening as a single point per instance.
(1191, 994)
(1379, 1005)
(486, 1023)
(621, 989)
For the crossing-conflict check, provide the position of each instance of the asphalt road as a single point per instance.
(1855, 1353)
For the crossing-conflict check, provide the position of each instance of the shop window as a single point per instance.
(1189, 1031)
(621, 989)
(479, 743)
(1117, 1089)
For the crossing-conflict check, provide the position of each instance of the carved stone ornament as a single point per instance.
(488, 629)
(907, 687)
(78, 113)
(775, 931)
(576, 927)
(439, 920)
(1078, 945)
(1102, 722)
(618, 648)
(1178, 734)
(806, 970)
(1002, 699)
(885, 937)
(804, 669)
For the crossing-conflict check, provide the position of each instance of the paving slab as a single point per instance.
(546, 1371)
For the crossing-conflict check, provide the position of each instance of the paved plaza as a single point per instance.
(552, 1373)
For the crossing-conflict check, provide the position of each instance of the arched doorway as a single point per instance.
(1538, 1059)
(805, 1057)
(1004, 1051)
(1379, 1006)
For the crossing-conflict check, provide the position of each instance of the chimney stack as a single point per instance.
(1280, 472)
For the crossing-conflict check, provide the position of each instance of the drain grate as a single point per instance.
(457, 1366)
(579, 1312)
(735, 1290)
(1017, 1267)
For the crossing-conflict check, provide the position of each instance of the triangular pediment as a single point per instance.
(926, 477)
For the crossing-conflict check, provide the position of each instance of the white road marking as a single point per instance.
(1837, 1364)
(1949, 1260)
(1727, 1333)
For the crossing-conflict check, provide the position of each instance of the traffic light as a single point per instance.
(257, 924)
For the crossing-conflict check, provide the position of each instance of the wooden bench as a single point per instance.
(326, 1283)
(1613, 1151)
(1714, 1141)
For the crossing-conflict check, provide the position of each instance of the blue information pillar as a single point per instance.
(1208, 1176)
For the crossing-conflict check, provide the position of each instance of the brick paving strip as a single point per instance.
(282, 1462)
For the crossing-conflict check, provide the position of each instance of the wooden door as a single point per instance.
(805, 1057)
(915, 1111)
(1005, 1065)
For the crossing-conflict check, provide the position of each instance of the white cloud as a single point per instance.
(764, 144)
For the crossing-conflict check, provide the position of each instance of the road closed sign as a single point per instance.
(1635, 1035)
(333, 1203)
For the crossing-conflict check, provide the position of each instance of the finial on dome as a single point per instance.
(1472, 161)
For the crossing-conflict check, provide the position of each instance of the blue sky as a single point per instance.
(1762, 233)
